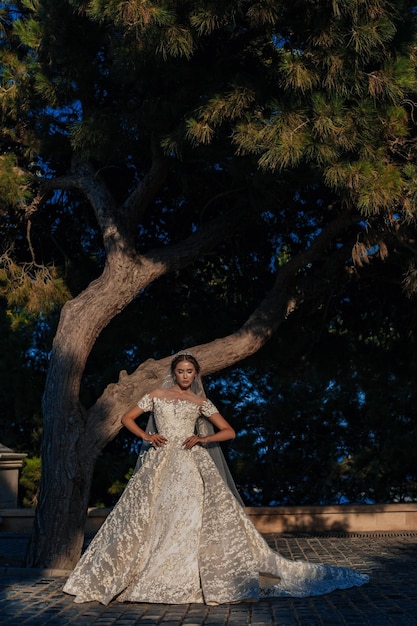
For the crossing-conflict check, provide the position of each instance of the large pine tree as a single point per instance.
(238, 137)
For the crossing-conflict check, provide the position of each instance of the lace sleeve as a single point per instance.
(146, 403)
(208, 408)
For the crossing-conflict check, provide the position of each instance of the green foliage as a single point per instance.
(29, 482)
(315, 85)
(113, 470)
(38, 290)
(337, 88)
(377, 185)
(14, 184)
(296, 74)
(117, 488)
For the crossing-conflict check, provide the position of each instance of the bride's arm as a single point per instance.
(128, 420)
(224, 432)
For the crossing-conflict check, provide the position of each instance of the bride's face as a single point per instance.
(184, 373)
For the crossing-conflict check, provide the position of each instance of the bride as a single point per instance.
(179, 533)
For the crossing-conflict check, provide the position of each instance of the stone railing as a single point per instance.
(358, 518)
(349, 518)
(10, 465)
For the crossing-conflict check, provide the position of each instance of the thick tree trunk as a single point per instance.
(58, 532)
(68, 451)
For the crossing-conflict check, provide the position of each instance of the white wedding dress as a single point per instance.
(178, 534)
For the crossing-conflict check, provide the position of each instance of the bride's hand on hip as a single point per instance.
(158, 441)
(192, 441)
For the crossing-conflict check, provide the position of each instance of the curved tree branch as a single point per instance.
(220, 353)
(117, 223)
(139, 199)
(83, 178)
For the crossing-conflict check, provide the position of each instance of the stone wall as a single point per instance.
(303, 519)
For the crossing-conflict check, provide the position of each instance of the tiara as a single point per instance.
(185, 353)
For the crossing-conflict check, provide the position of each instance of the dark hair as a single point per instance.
(185, 356)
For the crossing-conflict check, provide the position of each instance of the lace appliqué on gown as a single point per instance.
(178, 535)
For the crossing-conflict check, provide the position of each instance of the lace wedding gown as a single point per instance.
(178, 535)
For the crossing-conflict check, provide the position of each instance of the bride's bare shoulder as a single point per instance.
(158, 393)
(164, 394)
(197, 399)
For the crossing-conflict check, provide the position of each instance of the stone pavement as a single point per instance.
(34, 597)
